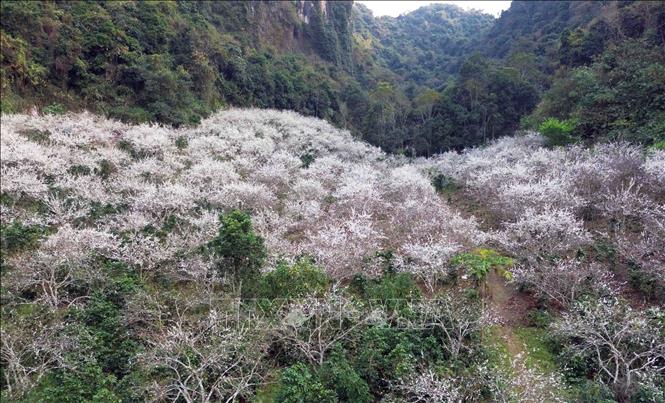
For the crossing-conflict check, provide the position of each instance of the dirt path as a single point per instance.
(511, 308)
(529, 384)
(504, 301)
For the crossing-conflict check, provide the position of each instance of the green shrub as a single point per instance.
(307, 159)
(479, 263)
(539, 318)
(86, 383)
(106, 169)
(301, 279)
(384, 354)
(181, 142)
(648, 392)
(605, 251)
(240, 251)
(659, 145)
(443, 183)
(594, 392)
(338, 375)
(135, 114)
(16, 236)
(393, 286)
(37, 136)
(79, 170)
(54, 109)
(648, 284)
(298, 385)
(558, 132)
(393, 290)
(101, 366)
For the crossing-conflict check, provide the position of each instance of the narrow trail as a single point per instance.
(511, 309)
(529, 382)
(503, 301)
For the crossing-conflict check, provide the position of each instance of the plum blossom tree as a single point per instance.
(565, 281)
(428, 261)
(347, 194)
(204, 359)
(150, 198)
(654, 166)
(428, 386)
(62, 264)
(624, 344)
(645, 248)
(312, 326)
(456, 318)
(28, 351)
(543, 233)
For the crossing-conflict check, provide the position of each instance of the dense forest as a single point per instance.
(435, 79)
(300, 202)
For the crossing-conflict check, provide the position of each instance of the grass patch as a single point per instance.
(37, 136)
(267, 393)
(496, 349)
(536, 342)
(536, 345)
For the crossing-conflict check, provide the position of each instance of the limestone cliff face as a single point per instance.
(307, 8)
(321, 28)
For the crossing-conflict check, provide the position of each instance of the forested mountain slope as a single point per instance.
(431, 80)
(423, 47)
(535, 26)
(595, 68)
(174, 62)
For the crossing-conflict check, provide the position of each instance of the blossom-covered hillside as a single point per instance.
(144, 262)
(550, 202)
(311, 190)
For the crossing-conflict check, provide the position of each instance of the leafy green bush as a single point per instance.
(558, 132)
(298, 385)
(393, 286)
(647, 392)
(79, 170)
(593, 392)
(240, 251)
(443, 183)
(127, 113)
(181, 142)
(648, 284)
(105, 169)
(659, 145)
(54, 109)
(479, 263)
(101, 333)
(393, 290)
(301, 279)
(86, 383)
(16, 236)
(338, 375)
(38, 136)
(385, 354)
(306, 159)
(540, 318)
(101, 366)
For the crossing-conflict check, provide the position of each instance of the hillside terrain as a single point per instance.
(300, 202)
(269, 256)
(436, 79)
